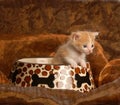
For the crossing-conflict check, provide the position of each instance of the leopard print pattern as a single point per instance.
(53, 76)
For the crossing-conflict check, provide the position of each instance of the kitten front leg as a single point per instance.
(83, 63)
(71, 62)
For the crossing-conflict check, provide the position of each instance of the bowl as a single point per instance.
(40, 72)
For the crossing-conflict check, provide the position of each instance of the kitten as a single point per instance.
(80, 44)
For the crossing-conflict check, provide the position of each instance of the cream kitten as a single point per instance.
(80, 44)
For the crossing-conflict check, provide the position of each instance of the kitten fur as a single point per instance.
(74, 51)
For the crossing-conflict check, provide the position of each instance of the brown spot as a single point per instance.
(24, 69)
(28, 65)
(27, 79)
(71, 73)
(73, 85)
(59, 84)
(19, 71)
(43, 86)
(81, 90)
(48, 67)
(56, 67)
(40, 65)
(77, 70)
(31, 72)
(28, 84)
(85, 91)
(21, 64)
(37, 71)
(23, 84)
(18, 80)
(44, 73)
(83, 71)
(86, 87)
(33, 65)
(51, 72)
(22, 74)
(57, 74)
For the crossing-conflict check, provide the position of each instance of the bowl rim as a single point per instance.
(20, 61)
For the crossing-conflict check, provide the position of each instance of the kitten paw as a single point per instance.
(74, 65)
(83, 64)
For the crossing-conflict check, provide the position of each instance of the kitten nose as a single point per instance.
(90, 51)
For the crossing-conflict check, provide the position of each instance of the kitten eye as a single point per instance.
(92, 45)
(84, 46)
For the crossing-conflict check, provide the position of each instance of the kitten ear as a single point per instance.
(75, 36)
(95, 34)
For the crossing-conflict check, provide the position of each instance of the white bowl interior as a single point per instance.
(36, 60)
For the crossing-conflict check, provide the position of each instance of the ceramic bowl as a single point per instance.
(41, 73)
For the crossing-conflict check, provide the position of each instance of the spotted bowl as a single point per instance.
(40, 72)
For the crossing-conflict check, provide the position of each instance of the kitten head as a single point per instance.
(83, 41)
